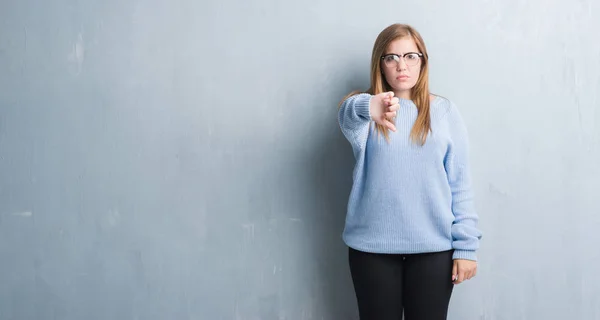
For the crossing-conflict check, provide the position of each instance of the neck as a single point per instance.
(404, 94)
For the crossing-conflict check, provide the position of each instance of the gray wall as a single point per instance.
(182, 159)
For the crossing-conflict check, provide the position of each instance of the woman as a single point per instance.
(411, 227)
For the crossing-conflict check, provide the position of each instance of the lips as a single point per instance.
(402, 77)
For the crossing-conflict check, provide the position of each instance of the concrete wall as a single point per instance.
(182, 159)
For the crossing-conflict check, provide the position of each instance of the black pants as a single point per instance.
(388, 284)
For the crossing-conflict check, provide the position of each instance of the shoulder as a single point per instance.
(442, 105)
(447, 112)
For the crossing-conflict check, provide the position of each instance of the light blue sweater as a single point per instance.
(408, 198)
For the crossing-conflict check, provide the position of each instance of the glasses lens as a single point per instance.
(412, 59)
(391, 60)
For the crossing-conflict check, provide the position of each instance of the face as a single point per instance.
(401, 71)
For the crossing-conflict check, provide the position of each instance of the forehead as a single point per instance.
(402, 45)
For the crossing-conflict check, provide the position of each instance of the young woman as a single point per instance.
(411, 227)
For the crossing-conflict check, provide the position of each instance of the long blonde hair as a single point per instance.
(419, 93)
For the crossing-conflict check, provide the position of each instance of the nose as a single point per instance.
(401, 65)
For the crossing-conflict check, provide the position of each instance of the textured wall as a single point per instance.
(182, 159)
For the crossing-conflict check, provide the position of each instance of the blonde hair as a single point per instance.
(419, 93)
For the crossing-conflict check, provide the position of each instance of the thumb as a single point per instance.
(454, 271)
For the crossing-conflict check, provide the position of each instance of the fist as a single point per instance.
(383, 108)
(463, 270)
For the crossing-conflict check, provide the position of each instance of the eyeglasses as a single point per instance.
(410, 58)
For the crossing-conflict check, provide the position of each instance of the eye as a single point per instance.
(412, 56)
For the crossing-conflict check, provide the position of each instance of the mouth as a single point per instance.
(402, 77)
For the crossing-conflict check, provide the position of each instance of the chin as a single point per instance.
(403, 87)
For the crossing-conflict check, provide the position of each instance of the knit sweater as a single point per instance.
(406, 197)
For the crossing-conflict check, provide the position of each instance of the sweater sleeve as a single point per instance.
(354, 117)
(465, 234)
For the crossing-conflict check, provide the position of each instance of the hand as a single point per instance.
(463, 270)
(383, 109)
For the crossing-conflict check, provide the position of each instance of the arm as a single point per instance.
(354, 117)
(465, 234)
